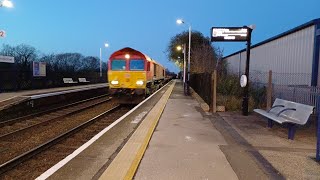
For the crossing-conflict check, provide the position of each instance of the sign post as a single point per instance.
(237, 34)
(245, 100)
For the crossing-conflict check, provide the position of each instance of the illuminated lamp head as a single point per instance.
(127, 56)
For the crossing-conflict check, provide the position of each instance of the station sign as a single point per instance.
(229, 34)
(7, 59)
(39, 69)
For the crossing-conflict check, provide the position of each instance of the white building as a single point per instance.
(295, 52)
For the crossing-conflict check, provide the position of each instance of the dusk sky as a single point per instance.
(81, 26)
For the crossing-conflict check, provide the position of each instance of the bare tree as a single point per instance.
(203, 55)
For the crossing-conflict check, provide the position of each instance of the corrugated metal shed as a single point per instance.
(295, 51)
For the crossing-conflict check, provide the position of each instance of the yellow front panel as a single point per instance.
(127, 79)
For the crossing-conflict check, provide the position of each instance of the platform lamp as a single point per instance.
(183, 48)
(106, 45)
(6, 3)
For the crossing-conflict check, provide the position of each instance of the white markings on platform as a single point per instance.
(185, 115)
(66, 91)
(60, 164)
(162, 92)
(192, 104)
(8, 99)
(138, 118)
(188, 138)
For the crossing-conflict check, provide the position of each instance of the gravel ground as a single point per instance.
(33, 168)
(29, 140)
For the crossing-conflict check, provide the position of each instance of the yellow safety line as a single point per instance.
(118, 169)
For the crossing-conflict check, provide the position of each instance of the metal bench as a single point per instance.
(83, 80)
(283, 111)
(68, 81)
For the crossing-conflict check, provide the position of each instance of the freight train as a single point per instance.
(133, 74)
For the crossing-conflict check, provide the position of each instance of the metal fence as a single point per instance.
(305, 95)
(293, 87)
(289, 86)
(201, 83)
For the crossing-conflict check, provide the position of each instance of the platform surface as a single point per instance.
(185, 145)
(8, 98)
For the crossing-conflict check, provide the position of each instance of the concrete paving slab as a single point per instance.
(293, 159)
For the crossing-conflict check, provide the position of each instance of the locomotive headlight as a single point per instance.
(139, 83)
(114, 82)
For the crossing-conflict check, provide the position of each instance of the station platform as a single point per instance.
(176, 139)
(11, 98)
(183, 146)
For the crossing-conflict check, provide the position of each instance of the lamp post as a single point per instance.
(183, 48)
(180, 21)
(6, 3)
(105, 45)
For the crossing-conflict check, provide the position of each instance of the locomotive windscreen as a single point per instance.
(118, 64)
(137, 64)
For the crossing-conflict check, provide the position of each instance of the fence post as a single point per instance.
(269, 91)
(318, 130)
(214, 91)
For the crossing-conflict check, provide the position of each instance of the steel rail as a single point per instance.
(15, 120)
(52, 119)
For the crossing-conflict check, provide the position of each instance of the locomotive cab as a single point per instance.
(132, 73)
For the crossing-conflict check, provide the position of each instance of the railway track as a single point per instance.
(22, 166)
(29, 133)
(20, 125)
(55, 109)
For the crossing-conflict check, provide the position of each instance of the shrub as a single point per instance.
(230, 94)
(233, 103)
(229, 85)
